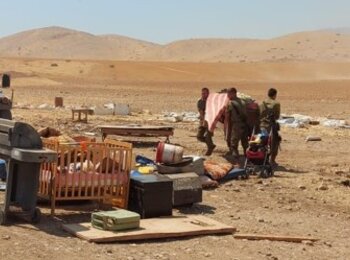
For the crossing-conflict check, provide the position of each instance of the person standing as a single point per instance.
(270, 110)
(236, 126)
(203, 133)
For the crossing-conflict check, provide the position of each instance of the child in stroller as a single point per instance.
(258, 154)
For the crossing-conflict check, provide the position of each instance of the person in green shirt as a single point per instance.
(270, 110)
(236, 126)
(203, 133)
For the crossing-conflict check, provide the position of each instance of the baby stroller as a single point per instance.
(258, 154)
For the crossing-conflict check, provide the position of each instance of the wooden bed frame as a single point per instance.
(87, 171)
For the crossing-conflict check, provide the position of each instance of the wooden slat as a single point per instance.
(141, 131)
(296, 239)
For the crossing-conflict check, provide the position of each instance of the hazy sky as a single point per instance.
(163, 21)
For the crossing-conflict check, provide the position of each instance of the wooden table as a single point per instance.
(80, 111)
(137, 130)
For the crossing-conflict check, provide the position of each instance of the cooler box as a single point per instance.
(151, 195)
(187, 188)
(115, 220)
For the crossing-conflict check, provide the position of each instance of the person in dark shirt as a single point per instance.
(236, 115)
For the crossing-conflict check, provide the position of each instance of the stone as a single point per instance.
(322, 187)
(5, 237)
(301, 187)
(313, 138)
(308, 242)
(328, 244)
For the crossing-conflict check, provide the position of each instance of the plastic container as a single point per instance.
(169, 153)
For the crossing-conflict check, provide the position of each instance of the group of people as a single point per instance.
(237, 126)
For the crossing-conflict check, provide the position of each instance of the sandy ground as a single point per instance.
(306, 197)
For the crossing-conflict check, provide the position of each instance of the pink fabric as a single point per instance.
(86, 179)
(215, 108)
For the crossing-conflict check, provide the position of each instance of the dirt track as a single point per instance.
(291, 203)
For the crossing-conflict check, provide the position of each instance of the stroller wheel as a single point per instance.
(264, 173)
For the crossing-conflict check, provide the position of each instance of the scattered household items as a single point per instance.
(146, 169)
(144, 165)
(258, 154)
(181, 117)
(153, 228)
(313, 138)
(151, 195)
(136, 130)
(3, 172)
(58, 101)
(187, 188)
(23, 149)
(6, 81)
(115, 220)
(84, 111)
(217, 171)
(235, 173)
(295, 239)
(220, 172)
(142, 160)
(112, 109)
(333, 123)
(48, 132)
(187, 164)
(87, 171)
(299, 121)
(169, 153)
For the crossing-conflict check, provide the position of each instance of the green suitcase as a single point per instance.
(115, 220)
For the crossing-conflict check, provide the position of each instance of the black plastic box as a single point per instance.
(151, 195)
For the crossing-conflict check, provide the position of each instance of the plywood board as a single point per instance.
(165, 227)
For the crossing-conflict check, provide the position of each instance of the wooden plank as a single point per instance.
(138, 132)
(295, 239)
(167, 227)
(123, 127)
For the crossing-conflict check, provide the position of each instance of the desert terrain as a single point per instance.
(59, 42)
(308, 195)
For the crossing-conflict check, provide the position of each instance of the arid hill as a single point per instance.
(62, 43)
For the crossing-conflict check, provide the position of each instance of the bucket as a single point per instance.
(169, 153)
(58, 101)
